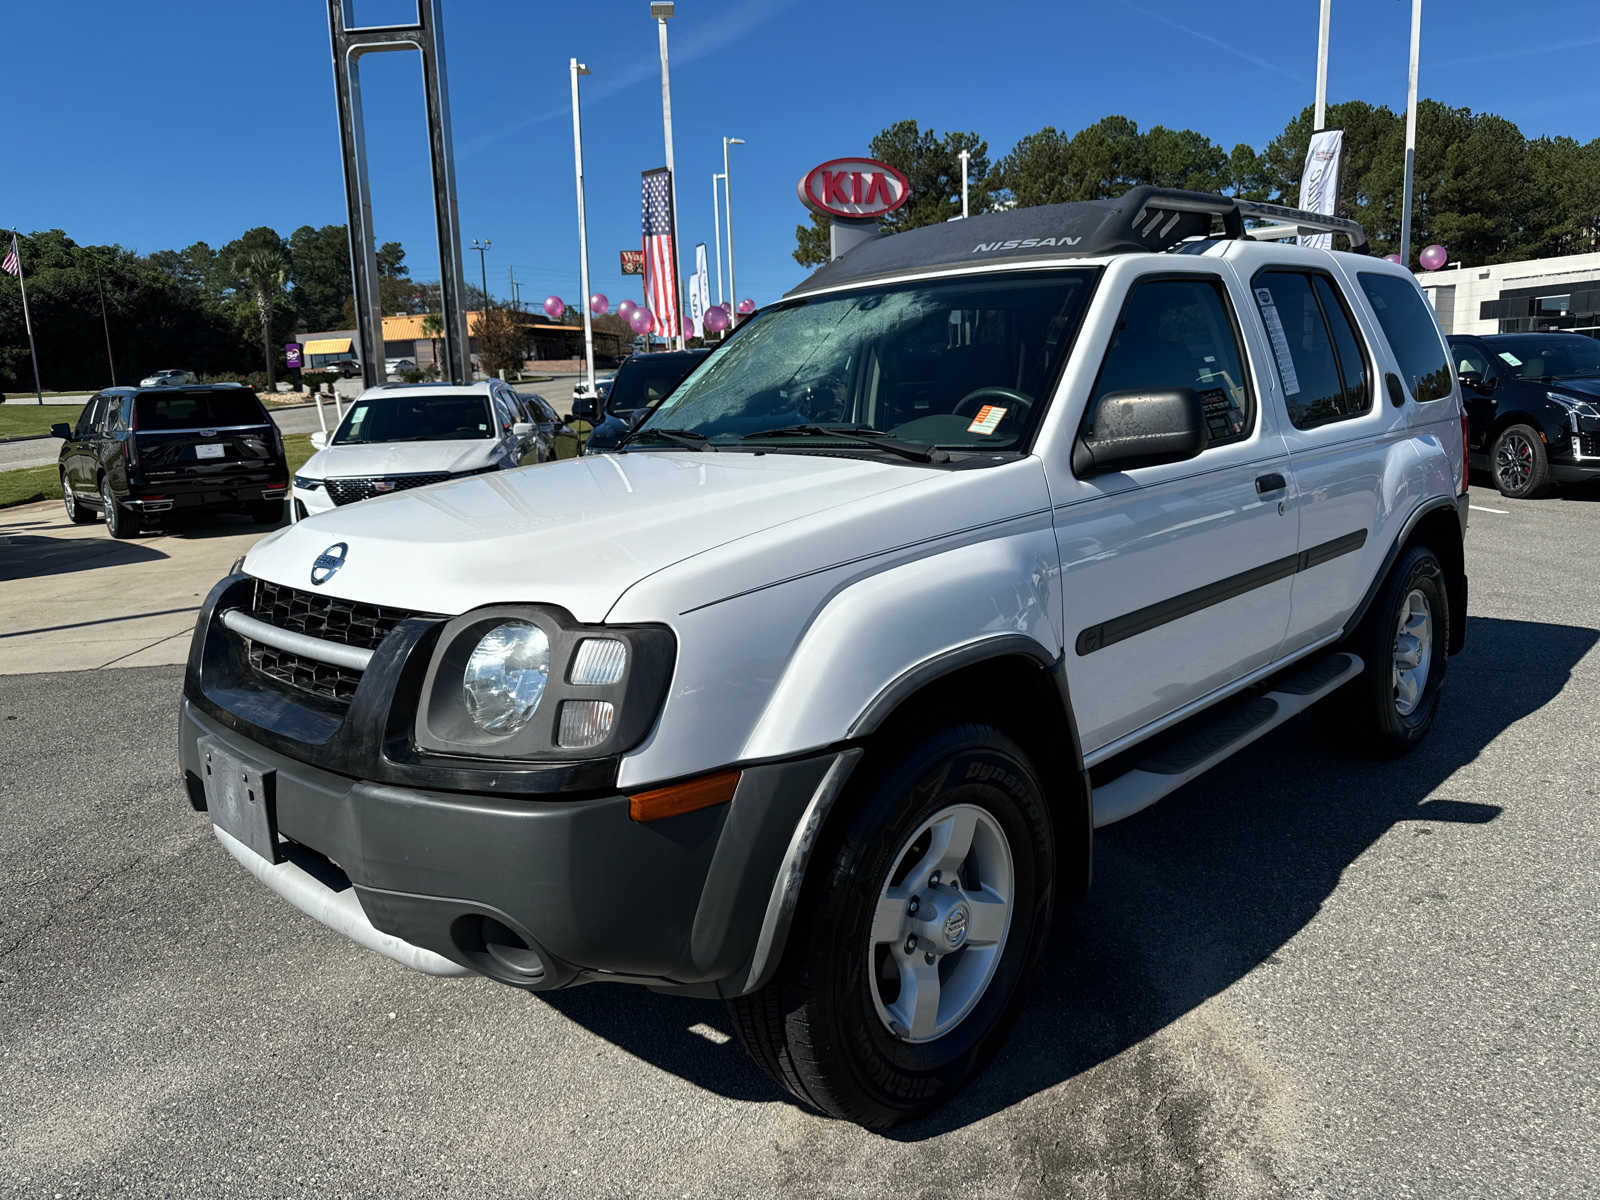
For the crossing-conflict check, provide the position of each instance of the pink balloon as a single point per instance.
(554, 306)
(716, 319)
(747, 306)
(642, 320)
(1391, 258)
(599, 305)
(688, 327)
(1433, 257)
(626, 309)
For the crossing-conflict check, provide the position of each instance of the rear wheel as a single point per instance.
(1389, 708)
(267, 512)
(121, 522)
(1520, 465)
(76, 512)
(909, 959)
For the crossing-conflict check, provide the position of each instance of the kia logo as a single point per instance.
(328, 563)
(854, 187)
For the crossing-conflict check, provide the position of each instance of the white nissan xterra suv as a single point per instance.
(811, 698)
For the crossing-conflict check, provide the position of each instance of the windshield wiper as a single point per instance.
(683, 437)
(875, 438)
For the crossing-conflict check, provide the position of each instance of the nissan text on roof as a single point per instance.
(812, 696)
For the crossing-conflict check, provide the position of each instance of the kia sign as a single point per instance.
(854, 187)
(291, 354)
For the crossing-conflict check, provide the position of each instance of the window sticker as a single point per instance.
(987, 420)
(1511, 358)
(1280, 342)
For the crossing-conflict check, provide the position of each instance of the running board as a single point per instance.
(1175, 765)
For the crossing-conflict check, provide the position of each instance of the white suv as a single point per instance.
(811, 698)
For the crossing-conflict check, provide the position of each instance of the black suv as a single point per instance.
(639, 384)
(1533, 405)
(142, 453)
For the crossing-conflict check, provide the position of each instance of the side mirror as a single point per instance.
(1141, 429)
(319, 440)
(62, 431)
(522, 428)
(583, 406)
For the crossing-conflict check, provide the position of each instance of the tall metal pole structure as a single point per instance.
(727, 185)
(1321, 118)
(662, 13)
(716, 219)
(583, 230)
(483, 270)
(105, 320)
(27, 319)
(1411, 134)
(349, 45)
(965, 154)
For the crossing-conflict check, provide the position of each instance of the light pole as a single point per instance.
(727, 184)
(483, 271)
(965, 154)
(583, 230)
(1322, 69)
(1411, 134)
(716, 219)
(662, 14)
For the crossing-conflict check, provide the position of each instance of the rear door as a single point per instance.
(1478, 385)
(80, 449)
(223, 436)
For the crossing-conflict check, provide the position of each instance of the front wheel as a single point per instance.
(909, 960)
(1521, 466)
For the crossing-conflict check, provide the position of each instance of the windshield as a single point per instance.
(964, 364)
(1548, 357)
(196, 410)
(416, 419)
(641, 381)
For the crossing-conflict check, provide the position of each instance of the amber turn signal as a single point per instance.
(683, 797)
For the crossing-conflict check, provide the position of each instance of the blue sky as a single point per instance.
(157, 125)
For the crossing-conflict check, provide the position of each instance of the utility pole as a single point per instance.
(727, 184)
(483, 271)
(966, 154)
(583, 233)
(1322, 69)
(104, 320)
(716, 219)
(1411, 134)
(511, 276)
(663, 13)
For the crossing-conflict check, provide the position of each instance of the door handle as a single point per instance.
(1270, 483)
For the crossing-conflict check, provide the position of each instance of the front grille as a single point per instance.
(348, 491)
(1589, 445)
(327, 617)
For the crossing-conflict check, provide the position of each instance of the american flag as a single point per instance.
(12, 264)
(661, 273)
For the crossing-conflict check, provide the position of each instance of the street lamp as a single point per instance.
(727, 184)
(483, 271)
(662, 14)
(583, 230)
(716, 219)
(1411, 134)
(965, 154)
(1322, 69)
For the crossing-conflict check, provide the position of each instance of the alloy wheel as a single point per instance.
(1513, 461)
(940, 923)
(68, 500)
(1413, 652)
(109, 503)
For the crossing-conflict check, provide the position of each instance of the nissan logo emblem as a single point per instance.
(328, 562)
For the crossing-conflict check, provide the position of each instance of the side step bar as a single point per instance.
(1169, 768)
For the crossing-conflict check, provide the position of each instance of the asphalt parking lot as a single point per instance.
(1299, 976)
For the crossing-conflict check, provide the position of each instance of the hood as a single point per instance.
(577, 533)
(1581, 389)
(399, 458)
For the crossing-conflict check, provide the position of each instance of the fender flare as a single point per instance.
(1455, 589)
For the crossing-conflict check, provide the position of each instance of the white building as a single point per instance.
(1537, 296)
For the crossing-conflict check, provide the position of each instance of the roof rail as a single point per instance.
(1306, 222)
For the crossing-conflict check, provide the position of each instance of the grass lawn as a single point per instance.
(19, 420)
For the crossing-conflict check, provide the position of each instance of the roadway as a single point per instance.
(1301, 975)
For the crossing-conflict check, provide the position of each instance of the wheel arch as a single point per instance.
(1505, 420)
(1440, 525)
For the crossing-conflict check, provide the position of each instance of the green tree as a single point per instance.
(433, 330)
(1109, 157)
(503, 341)
(266, 269)
(321, 274)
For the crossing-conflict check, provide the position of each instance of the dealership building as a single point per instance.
(1542, 295)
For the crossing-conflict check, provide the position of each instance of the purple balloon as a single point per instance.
(1433, 257)
(1391, 258)
(747, 306)
(688, 327)
(599, 305)
(716, 319)
(626, 309)
(642, 320)
(554, 306)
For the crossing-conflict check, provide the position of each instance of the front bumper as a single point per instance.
(309, 502)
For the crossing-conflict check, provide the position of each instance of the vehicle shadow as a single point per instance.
(34, 555)
(219, 525)
(1189, 896)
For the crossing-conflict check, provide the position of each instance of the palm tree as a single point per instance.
(266, 268)
(433, 330)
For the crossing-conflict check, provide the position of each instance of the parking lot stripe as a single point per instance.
(1504, 512)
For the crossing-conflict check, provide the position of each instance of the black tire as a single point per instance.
(267, 512)
(121, 522)
(816, 1027)
(1371, 716)
(76, 512)
(1519, 465)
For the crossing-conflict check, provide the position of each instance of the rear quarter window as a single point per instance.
(1413, 334)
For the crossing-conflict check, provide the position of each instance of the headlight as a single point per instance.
(505, 677)
(1578, 408)
(528, 682)
(306, 484)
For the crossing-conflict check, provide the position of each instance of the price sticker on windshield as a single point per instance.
(988, 419)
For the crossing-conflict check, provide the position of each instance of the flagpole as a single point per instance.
(27, 320)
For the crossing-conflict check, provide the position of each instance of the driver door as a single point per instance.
(1477, 375)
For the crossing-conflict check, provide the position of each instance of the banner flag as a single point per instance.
(1319, 183)
(699, 291)
(661, 270)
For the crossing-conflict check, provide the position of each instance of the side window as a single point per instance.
(1178, 333)
(1413, 334)
(1319, 359)
(503, 413)
(113, 419)
(89, 418)
(1472, 364)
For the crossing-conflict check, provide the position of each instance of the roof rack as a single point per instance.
(1144, 219)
